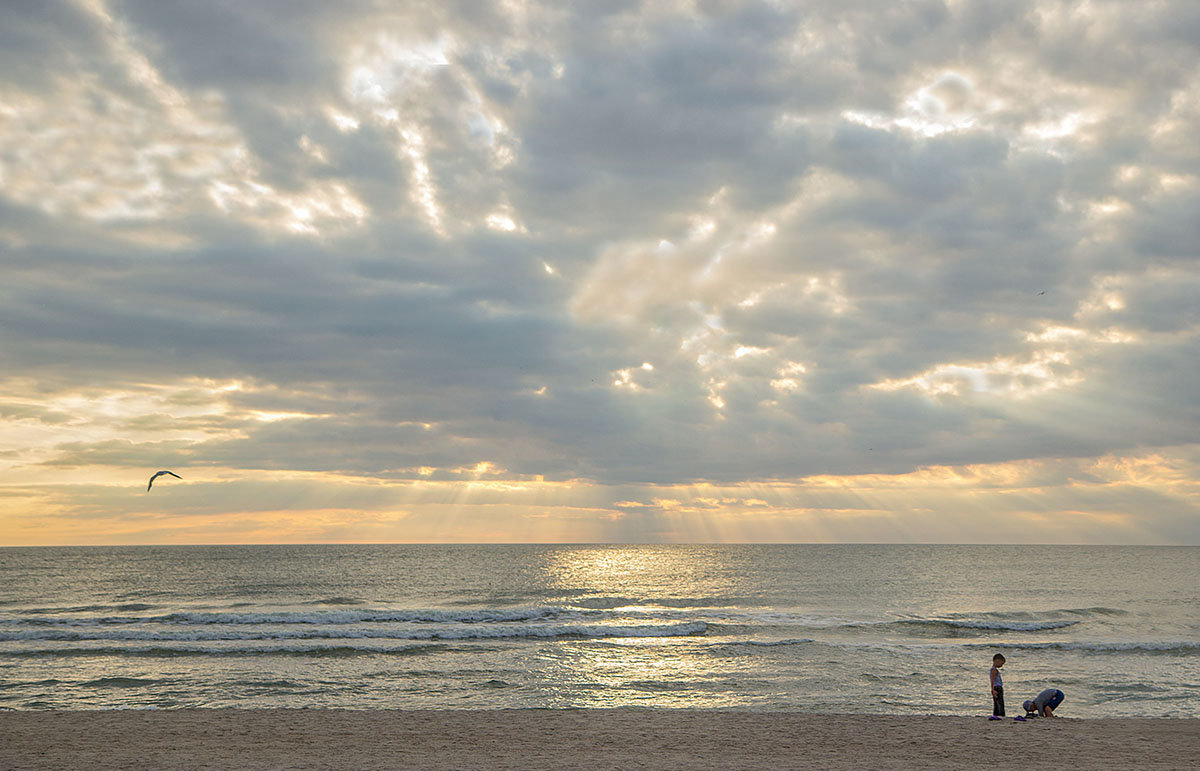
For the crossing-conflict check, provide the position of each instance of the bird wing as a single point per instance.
(157, 474)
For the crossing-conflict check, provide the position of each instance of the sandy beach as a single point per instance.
(568, 739)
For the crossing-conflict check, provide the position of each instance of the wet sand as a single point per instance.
(580, 739)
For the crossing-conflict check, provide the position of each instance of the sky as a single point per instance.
(832, 271)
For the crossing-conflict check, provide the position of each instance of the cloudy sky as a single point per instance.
(838, 270)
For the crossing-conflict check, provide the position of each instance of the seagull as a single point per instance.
(158, 474)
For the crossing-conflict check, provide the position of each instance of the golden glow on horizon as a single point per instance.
(939, 503)
(80, 478)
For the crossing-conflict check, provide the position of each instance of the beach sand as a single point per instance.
(578, 739)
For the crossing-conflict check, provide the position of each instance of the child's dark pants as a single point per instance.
(998, 702)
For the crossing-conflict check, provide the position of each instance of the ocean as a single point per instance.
(900, 629)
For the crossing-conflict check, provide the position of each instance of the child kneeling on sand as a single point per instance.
(1044, 703)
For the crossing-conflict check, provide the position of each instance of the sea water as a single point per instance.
(815, 628)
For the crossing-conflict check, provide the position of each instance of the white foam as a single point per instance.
(315, 617)
(393, 632)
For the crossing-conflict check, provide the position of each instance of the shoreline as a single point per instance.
(578, 738)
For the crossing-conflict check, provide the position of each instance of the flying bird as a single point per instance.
(157, 475)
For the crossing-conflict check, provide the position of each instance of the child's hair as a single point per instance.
(999, 657)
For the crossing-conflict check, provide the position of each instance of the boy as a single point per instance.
(997, 686)
(1044, 703)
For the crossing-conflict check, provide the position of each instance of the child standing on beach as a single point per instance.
(997, 686)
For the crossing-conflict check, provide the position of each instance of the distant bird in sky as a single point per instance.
(1042, 292)
(157, 475)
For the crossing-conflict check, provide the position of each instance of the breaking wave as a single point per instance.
(313, 617)
(1005, 626)
(1176, 647)
(460, 632)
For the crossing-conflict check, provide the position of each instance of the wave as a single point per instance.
(746, 621)
(125, 607)
(1001, 621)
(1177, 647)
(176, 651)
(120, 682)
(452, 633)
(347, 648)
(1004, 626)
(610, 602)
(1099, 611)
(1163, 647)
(606, 603)
(647, 604)
(609, 617)
(437, 633)
(775, 643)
(271, 684)
(737, 646)
(11, 684)
(313, 617)
(1185, 647)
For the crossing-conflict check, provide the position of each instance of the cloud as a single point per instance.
(670, 245)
